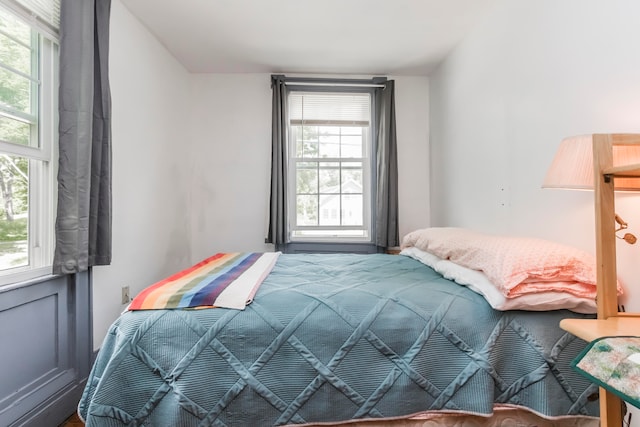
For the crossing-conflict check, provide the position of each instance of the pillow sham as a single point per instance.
(479, 283)
(516, 265)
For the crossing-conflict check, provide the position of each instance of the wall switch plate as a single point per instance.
(126, 296)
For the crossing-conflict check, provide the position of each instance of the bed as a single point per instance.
(343, 338)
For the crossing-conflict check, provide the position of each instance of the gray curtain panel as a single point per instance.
(278, 234)
(387, 234)
(83, 222)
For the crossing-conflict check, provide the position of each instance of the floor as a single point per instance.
(73, 421)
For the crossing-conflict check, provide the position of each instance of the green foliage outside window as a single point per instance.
(18, 125)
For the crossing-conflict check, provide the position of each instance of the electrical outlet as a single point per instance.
(126, 296)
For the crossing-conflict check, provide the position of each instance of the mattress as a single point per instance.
(334, 337)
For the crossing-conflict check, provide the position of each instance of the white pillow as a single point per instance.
(422, 256)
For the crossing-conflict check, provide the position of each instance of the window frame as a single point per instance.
(368, 166)
(41, 154)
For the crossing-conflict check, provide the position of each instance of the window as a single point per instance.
(28, 111)
(330, 165)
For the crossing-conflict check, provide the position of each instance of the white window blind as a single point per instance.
(44, 15)
(330, 108)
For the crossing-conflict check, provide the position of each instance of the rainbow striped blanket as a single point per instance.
(228, 280)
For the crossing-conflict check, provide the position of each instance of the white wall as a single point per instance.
(412, 112)
(151, 136)
(529, 75)
(230, 177)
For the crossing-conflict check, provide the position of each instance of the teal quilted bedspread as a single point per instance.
(334, 337)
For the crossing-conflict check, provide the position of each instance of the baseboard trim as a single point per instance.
(54, 411)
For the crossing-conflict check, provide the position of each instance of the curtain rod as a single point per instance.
(332, 84)
(320, 81)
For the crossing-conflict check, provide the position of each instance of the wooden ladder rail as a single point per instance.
(607, 296)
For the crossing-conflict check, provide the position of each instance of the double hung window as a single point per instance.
(28, 111)
(330, 147)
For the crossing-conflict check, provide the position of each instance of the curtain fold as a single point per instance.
(83, 222)
(278, 233)
(386, 214)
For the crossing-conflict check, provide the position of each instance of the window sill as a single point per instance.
(329, 247)
(16, 280)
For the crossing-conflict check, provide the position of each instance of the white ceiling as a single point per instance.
(397, 37)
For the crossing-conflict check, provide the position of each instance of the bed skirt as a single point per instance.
(503, 416)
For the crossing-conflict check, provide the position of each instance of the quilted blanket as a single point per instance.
(614, 364)
(329, 338)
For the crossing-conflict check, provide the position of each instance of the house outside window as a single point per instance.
(28, 131)
(330, 147)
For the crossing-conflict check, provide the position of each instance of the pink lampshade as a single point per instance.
(572, 166)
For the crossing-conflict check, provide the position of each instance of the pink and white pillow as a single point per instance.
(548, 274)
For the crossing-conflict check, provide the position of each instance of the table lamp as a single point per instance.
(573, 168)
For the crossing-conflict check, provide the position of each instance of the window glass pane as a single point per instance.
(352, 209)
(310, 141)
(330, 130)
(306, 210)
(296, 138)
(329, 177)
(329, 144)
(15, 91)
(352, 178)
(329, 209)
(307, 178)
(352, 130)
(14, 209)
(310, 133)
(13, 54)
(352, 145)
(15, 131)
(14, 27)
